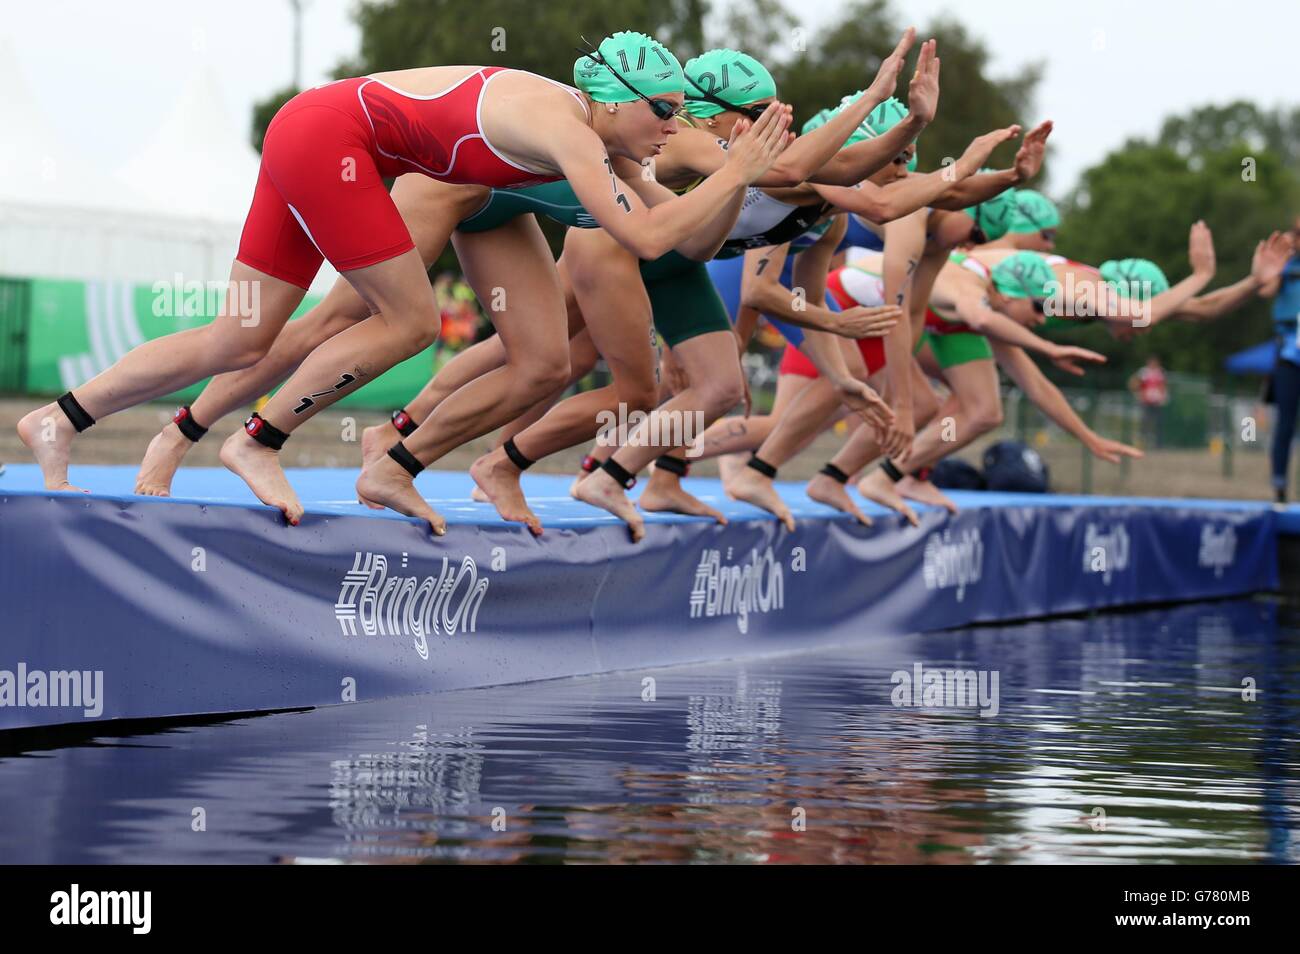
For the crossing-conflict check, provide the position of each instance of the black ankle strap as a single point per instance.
(75, 412)
(185, 423)
(264, 432)
(674, 465)
(403, 422)
(589, 464)
(409, 461)
(516, 456)
(891, 471)
(763, 467)
(835, 474)
(625, 478)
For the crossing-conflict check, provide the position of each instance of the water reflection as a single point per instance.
(1118, 738)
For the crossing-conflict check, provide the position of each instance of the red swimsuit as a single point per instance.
(794, 361)
(320, 191)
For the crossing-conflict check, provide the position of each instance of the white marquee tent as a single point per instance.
(176, 206)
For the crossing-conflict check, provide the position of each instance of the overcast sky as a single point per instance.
(105, 72)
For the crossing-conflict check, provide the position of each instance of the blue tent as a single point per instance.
(1256, 360)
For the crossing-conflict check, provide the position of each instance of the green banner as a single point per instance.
(76, 329)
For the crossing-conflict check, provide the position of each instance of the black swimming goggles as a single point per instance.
(754, 113)
(660, 107)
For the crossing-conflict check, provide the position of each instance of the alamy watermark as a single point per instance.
(1094, 299)
(56, 689)
(946, 689)
(179, 298)
(659, 428)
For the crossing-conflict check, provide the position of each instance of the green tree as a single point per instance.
(1141, 200)
(264, 111)
(540, 37)
(844, 57)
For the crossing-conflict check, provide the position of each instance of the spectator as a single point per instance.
(1286, 373)
(1151, 389)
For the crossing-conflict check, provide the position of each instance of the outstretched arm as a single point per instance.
(980, 188)
(975, 310)
(1047, 397)
(902, 197)
(651, 232)
(703, 244)
(1266, 268)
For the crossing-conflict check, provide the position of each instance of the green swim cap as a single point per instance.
(1138, 278)
(993, 216)
(1024, 275)
(818, 120)
(647, 65)
(731, 76)
(885, 116)
(878, 122)
(1033, 212)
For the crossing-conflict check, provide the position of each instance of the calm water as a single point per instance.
(1120, 738)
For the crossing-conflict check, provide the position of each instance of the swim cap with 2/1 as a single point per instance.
(1024, 275)
(728, 75)
(646, 64)
(1033, 212)
(1138, 278)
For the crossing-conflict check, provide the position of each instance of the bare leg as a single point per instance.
(167, 364)
(234, 389)
(404, 321)
(713, 370)
(430, 210)
(609, 293)
(811, 411)
(975, 408)
(532, 330)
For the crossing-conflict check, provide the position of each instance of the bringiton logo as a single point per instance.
(1218, 549)
(1105, 552)
(755, 586)
(953, 563)
(409, 606)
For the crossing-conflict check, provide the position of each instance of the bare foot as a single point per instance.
(877, 486)
(164, 456)
(752, 487)
(498, 479)
(601, 490)
(729, 465)
(375, 442)
(831, 492)
(925, 492)
(48, 434)
(386, 483)
(573, 487)
(664, 493)
(259, 467)
(478, 496)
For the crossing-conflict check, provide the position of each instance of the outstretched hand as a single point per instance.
(1200, 249)
(1111, 451)
(867, 404)
(867, 321)
(1029, 157)
(1067, 358)
(882, 87)
(754, 147)
(981, 147)
(923, 91)
(1270, 258)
